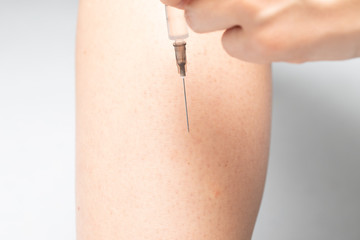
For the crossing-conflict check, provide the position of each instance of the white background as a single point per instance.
(313, 182)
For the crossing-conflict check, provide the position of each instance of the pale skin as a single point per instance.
(139, 173)
(279, 30)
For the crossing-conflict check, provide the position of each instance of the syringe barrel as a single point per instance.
(176, 23)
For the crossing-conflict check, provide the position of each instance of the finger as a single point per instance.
(175, 3)
(240, 45)
(211, 15)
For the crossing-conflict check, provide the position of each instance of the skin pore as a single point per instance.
(139, 173)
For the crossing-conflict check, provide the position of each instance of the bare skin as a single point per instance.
(279, 30)
(139, 173)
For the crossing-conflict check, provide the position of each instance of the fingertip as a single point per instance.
(237, 45)
(230, 41)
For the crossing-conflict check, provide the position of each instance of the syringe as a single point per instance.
(178, 32)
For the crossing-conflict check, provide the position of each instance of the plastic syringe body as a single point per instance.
(178, 32)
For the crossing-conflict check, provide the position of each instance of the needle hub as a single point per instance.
(180, 54)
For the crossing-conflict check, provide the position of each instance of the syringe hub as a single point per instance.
(180, 54)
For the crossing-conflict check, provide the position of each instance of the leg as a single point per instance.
(140, 174)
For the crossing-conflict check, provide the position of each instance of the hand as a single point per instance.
(265, 31)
